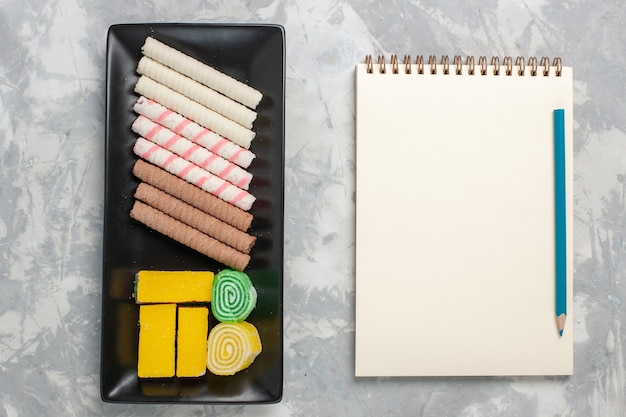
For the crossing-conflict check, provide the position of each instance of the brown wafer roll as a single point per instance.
(195, 218)
(188, 236)
(190, 194)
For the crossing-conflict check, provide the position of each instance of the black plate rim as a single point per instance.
(149, 400)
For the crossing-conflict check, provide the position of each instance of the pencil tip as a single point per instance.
(560, 323)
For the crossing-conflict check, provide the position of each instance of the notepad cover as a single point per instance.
(455, 237)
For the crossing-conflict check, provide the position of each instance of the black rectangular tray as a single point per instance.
(254, 54)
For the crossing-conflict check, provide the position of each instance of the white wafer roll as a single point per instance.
(195, 111)
(196, 91)
(194, 132)
(201, 72)
(188, 150)
(193, 174)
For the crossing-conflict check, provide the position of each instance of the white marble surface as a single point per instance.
(52, 88)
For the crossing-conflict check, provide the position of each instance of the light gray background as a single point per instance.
(52, 94)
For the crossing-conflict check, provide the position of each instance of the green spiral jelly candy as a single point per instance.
(234, 296)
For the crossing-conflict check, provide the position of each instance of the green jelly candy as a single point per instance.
(234, 296)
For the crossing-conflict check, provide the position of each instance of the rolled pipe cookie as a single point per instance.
(195, 111)
(193, 174)
(201, 72)
(198, 92)
(188, 150)
(190, 194)
(195, 218)
(194, 132)
(232, 347)
(188, 236)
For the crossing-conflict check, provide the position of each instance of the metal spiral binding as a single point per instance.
(458, 66)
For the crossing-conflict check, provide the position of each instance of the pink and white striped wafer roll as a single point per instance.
(188, 150)
(201, 72)
(195, 111)
(194, 132)
(193, 174)
(198, 92)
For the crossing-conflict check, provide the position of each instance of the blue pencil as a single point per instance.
(560, 219)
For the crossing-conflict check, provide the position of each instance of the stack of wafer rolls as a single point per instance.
(194, 217)
(194, 153)
(194, 133)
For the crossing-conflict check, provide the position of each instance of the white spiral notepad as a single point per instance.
(455, 217)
